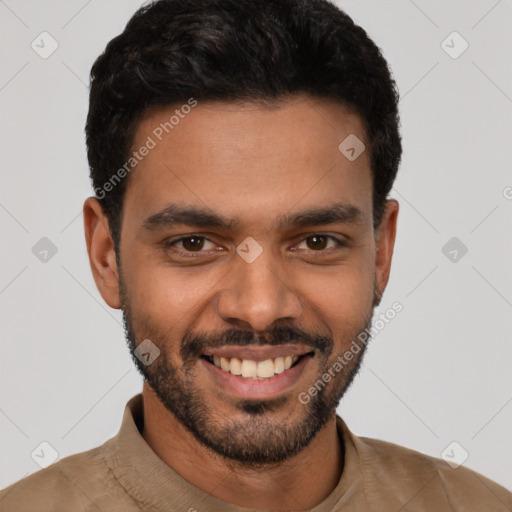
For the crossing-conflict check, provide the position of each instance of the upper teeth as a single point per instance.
(254, 369)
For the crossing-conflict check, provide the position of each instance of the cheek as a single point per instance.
(343, 298)
(169, 297)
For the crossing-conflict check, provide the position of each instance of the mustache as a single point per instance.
(195, 344)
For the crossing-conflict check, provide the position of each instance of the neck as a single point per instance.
(298, 483)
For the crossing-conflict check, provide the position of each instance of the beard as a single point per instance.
(262, 437)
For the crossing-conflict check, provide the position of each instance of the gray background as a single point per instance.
(438, 373)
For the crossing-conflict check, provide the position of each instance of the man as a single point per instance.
(242, 152)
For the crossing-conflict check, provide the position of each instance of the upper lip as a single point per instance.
(259, 352)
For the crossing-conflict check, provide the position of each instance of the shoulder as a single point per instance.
(432, 479)
(76, 483)
(38, 491)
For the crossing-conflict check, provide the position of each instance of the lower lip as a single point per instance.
(272, 387)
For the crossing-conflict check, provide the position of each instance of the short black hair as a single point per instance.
(230, 50)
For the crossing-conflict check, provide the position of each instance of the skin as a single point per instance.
(251, 163)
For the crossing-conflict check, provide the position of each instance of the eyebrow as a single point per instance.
(174, 214)
(339, 213)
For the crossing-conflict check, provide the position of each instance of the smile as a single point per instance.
(257, 372)
(251, 369)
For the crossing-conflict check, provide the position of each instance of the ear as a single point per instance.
(385, 243)
(100, 248)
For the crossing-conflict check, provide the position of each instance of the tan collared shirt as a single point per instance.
(126, 475)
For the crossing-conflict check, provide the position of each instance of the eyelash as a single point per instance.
(341, 244)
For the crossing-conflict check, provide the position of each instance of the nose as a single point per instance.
(257, 294)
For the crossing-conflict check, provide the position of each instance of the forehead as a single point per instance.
(249, 158)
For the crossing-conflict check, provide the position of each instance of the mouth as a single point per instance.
(253, 366)
(257, 372)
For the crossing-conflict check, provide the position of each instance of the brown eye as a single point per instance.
(193, 243)
(191, 246)
(317, 242)
(320, 242)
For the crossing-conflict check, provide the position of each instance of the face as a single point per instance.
(247, 245)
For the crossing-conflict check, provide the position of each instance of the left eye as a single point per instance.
(320, 242)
